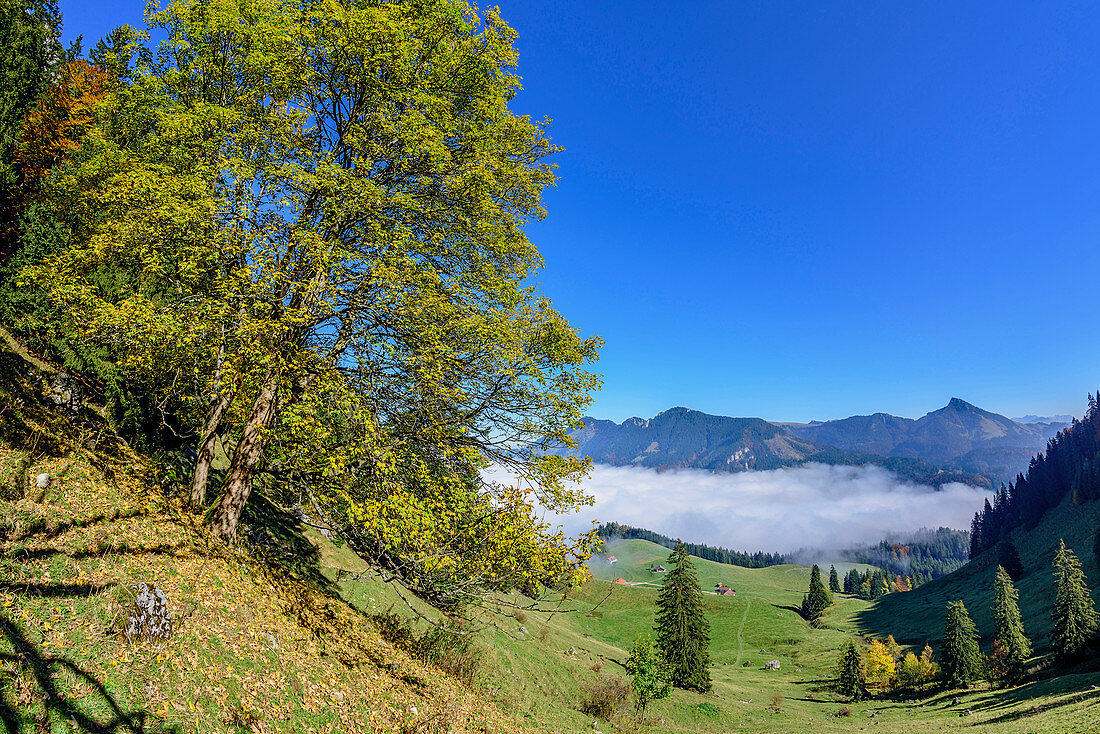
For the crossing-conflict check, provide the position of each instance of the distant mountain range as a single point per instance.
(1060, 418)
(959, 442)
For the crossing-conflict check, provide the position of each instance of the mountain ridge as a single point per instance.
(958, 442)
(1059, 418)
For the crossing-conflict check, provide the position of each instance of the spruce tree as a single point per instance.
(834, 580)
(818, 599)
(1074, 614)
(851, 681)
(683, 632)
(976, 536)
(1007, 625)
(1009, 559)
(962, 660)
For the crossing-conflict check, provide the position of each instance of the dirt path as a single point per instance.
(741, 642)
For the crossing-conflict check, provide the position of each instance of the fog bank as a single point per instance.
(814, 506)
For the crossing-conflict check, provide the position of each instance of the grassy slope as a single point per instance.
(543, 675)
(916, 617)
(538, 671)
(259, 644)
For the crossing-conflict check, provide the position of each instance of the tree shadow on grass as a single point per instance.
(54, 590)
(31, 676)
(46, 530)
(930, 696)
(277, 538)
(176, 550)
(790, 608)
(816, 685)
(1017, 698)
(945, 700)
(1037, 709)
(922, 697)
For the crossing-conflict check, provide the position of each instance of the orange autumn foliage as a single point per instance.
(56, 125)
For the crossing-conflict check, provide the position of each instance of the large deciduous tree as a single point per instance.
(318, 212)
(683, 632)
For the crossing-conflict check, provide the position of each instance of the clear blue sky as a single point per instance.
(811, 210)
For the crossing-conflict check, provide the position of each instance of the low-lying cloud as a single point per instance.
(813, 506)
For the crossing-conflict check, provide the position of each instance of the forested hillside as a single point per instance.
(922, 556)
(917, 617)
(1070, 467)
(919, 556)
(758, 559)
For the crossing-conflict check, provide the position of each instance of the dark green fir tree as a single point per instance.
(961, 659)
(1096, 547)
(834, 580)
(683, 632)
(1007, 625)
(851, 680)
(1074, 614)
(817, 600)
(1009, 559)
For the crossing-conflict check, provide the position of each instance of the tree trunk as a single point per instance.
(246, 457)
(213, 429)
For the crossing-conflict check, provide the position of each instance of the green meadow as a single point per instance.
(540, 664)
